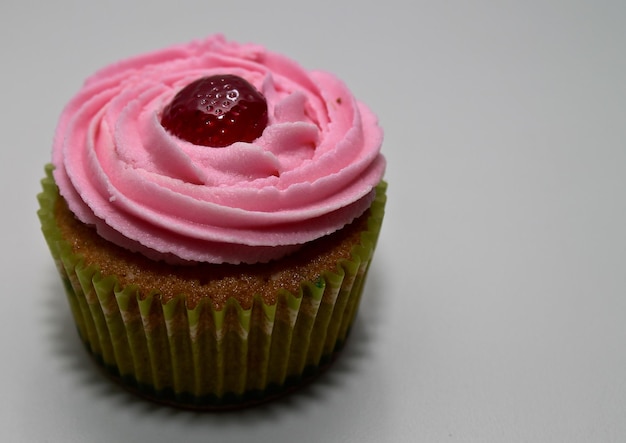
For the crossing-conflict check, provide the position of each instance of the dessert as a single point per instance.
(213, 209)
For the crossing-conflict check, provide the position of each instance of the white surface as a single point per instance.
(496, 307)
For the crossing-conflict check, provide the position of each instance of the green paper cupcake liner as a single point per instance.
(203, 357)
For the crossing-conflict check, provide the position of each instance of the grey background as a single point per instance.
(496, 306)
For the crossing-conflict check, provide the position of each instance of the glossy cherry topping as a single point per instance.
(217, 111)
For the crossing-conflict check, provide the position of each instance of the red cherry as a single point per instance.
(217, 111)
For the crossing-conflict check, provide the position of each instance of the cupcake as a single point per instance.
(212, 209)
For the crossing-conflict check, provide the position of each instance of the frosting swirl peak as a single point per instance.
(311, 171)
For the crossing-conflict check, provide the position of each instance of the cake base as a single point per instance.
(210, 337)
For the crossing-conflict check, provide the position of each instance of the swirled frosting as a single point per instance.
(312, 171)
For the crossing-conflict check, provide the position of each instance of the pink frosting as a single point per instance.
(311, 172)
